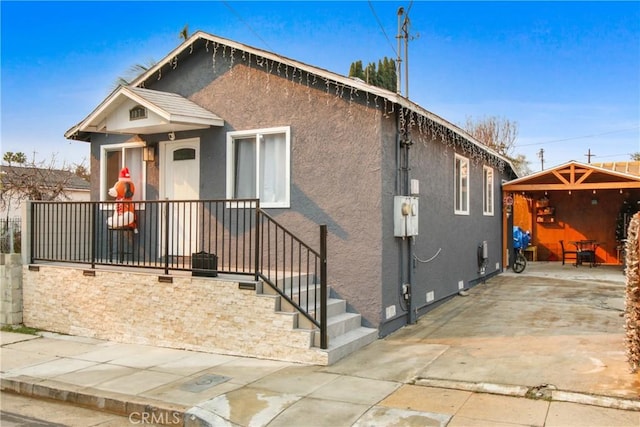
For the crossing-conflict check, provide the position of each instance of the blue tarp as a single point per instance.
(521, 238)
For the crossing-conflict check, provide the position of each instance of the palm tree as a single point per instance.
(137, 69)
(133, 72)
(10, 157)
(184, 33)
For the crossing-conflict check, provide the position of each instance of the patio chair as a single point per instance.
(587, 252)
(568, 254)
(587, 256)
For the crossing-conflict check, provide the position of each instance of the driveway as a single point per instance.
(552, 333)
(552, 327)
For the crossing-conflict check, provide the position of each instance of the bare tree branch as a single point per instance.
(500, 134)
(35, 180)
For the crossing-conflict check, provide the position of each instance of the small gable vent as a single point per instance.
(137, 112)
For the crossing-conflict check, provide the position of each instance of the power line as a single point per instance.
(283, 60)
(382, 27)
(577, 137)
(410, 6)
(541, 157)
(616, 155)
(247, 24)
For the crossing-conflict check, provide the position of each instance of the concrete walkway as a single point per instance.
(542, 348)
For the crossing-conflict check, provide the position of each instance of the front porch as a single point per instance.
(214, 275)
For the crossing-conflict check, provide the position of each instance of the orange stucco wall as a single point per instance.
(581, 215)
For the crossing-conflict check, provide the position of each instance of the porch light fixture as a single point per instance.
(149, 153)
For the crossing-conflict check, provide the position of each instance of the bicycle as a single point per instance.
(520, 261)
(520, 242)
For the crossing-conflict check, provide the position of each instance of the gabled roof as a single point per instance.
(211, 43)
(574, 176)
(172, 58)
(169, 112)
(632, 168)
(22, 175)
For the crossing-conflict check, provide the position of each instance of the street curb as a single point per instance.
(136, 408)
(596, 400)
(504, 390)
(548, 393)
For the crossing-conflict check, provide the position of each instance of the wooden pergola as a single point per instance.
(572, 202)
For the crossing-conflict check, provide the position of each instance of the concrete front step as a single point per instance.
(342, 323)
(344, 330)
(335, 307)
(306, 295)
(339, 326)
(344, 345)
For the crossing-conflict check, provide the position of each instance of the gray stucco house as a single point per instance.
(412, 203)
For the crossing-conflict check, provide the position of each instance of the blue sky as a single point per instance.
(567, 72)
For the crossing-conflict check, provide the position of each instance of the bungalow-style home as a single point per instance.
(411, 203)
(19, 183)
(576, 211)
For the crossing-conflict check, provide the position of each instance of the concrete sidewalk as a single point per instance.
(543, 348)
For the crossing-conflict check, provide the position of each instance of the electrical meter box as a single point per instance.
(405, 216)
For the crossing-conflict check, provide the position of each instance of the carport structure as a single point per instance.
(574, 202)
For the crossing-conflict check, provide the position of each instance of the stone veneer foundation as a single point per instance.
(196, 313)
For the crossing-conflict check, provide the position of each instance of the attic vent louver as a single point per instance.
(137, 112)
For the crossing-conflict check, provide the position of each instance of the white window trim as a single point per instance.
(104, 186)
(487, 187)
(459, 185)
(231, 162)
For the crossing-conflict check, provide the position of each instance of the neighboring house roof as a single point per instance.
(170, 112)
(214, 42)
(52, 177)
(632, 168)
(574, 176)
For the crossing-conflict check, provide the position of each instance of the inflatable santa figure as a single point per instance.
(123, 190)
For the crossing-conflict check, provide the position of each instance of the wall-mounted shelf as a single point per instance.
(545, 214)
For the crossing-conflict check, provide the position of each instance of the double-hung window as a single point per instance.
(487, 185)
(258, 166)
(112, 159)
(461, 185)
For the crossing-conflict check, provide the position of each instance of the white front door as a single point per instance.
(180, 180)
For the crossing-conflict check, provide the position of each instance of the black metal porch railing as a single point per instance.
(295, 270)
(205, 237)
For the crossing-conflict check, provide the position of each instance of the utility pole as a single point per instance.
(541, 157)
(404, 142)
(589, 155)
(405, 30)
(399, 59)
(403, 33)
